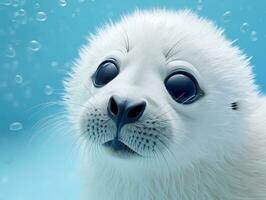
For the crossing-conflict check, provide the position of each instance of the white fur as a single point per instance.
(214, 152)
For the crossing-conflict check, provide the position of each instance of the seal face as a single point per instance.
(158, 92)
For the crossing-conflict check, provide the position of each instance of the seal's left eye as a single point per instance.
(183, 87)
(106, 72)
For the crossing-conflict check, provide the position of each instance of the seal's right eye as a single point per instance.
(106, 72)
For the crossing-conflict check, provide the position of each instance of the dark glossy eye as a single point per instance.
(106, 72)
(183, 87)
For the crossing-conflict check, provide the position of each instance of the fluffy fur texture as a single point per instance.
(214, 148)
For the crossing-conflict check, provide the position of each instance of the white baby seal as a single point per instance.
(168, 109)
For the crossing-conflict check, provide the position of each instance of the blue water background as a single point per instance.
(41, 163)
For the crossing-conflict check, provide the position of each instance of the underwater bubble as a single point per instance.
(54, 64)
(20, 16)
(16, 3)
(34, 45)
(10, 52)
(199, 5)
(21, 11)
(41, 16)
(253, 36)
(48, 90)
(62, 3)
(37, 6)
(73, 15)
(18, 79)
(227, 16)
(5, 2)
(15, 126)
(244, 27)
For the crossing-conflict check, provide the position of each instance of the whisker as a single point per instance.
(41, 110)
(51, 121)
(126, 39)
(169, 52)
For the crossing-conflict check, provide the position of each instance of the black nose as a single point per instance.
(124, 111)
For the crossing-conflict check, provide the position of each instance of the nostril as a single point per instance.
(113, 107)
(136, 111)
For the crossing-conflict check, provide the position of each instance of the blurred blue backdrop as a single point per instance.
(38, 42)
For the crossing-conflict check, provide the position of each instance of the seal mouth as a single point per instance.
(119, 147)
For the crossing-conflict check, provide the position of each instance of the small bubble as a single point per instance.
(199, 5)
(18, 79)
(62, 3)
(15, 126)
(244, 27)
(54, 64)
(254, 36)
(37, 6)
(48, 90)
(227, 16)
(5, 2)
(21, 12)
(73, 15)
(10, 52)
(34, 45)
(20, 17)
(16, 3)
(41, 16)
